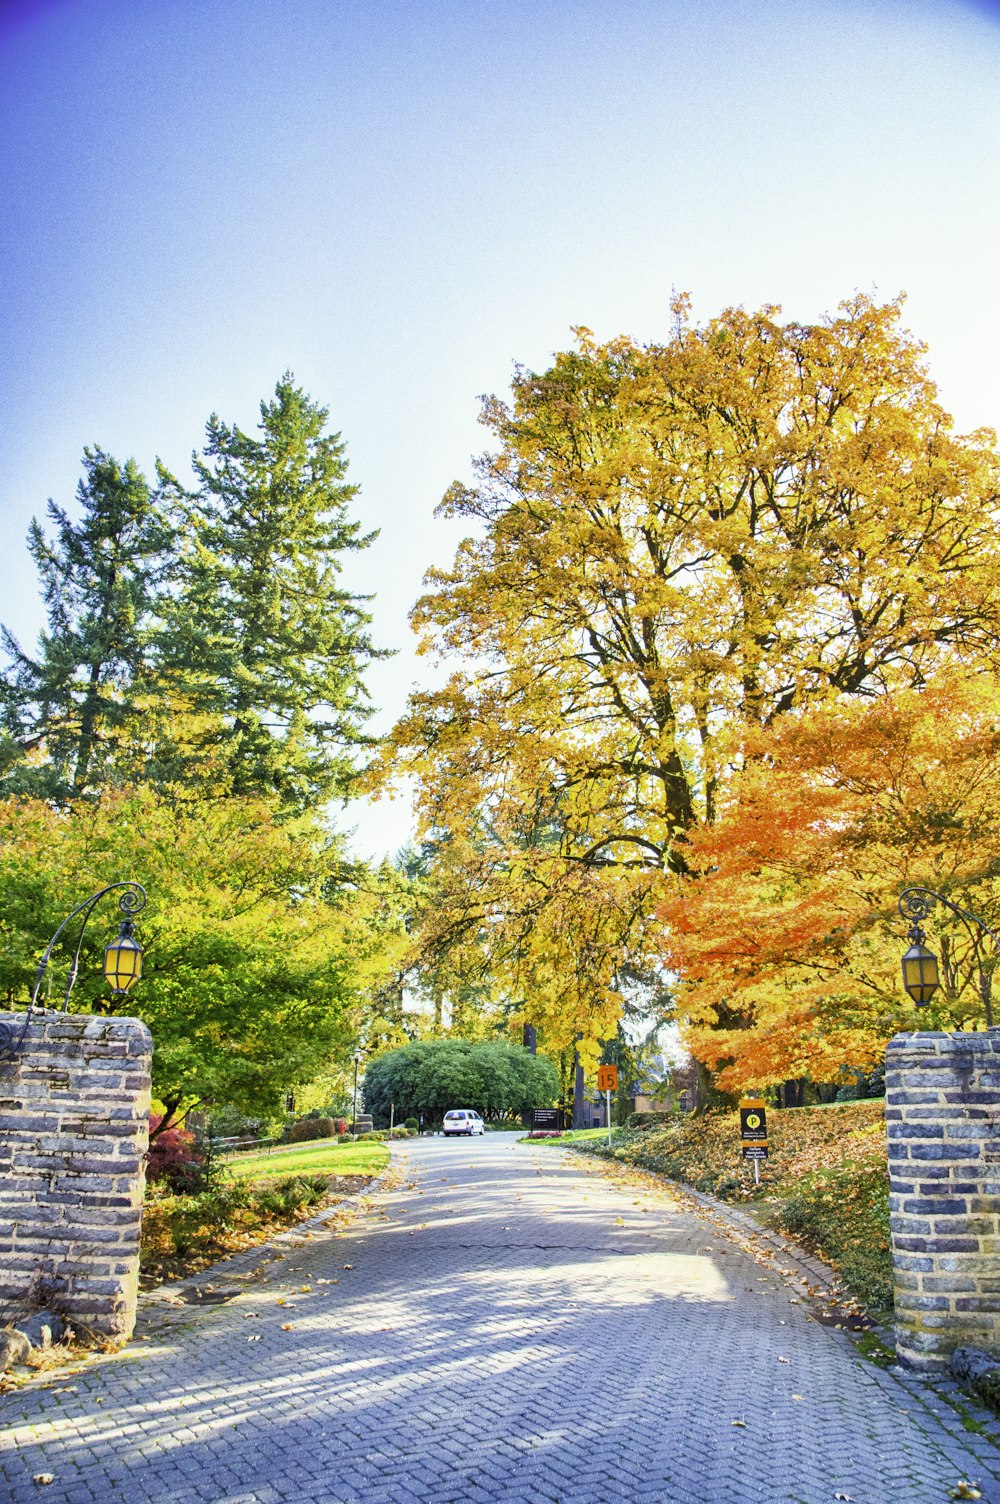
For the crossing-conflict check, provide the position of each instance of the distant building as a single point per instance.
(664, 1088)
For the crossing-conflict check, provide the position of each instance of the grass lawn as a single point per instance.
(319, 1157)
(572, 1136)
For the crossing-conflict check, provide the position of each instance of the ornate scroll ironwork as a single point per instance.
(916, 903)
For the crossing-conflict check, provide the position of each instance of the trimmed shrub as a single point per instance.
(413, 1124)
(310, 1128)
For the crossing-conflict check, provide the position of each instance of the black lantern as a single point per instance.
(123, 960)
(920, 973)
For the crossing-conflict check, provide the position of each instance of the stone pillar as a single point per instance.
(74, 1130)
(943, 1130)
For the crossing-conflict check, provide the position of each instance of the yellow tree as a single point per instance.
(674, 542)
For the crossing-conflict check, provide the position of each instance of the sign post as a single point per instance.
(607, 1081)
(753, 1132)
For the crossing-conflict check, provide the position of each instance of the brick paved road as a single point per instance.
(508, 1326)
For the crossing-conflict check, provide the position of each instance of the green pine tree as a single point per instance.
(68, 713)
(262, 651)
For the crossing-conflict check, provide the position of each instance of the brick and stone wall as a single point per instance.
(74, 1124)
(943, 1128)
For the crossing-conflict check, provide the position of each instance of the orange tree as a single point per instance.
(672, 543)
(790, 940)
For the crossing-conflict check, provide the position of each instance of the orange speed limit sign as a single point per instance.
(607, 1078)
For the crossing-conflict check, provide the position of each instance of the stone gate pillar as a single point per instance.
(942, 1114)
(74, 1130)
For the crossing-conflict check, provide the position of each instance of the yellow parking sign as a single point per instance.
(753, 1121)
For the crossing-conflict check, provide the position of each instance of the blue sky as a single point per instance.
(399, 200)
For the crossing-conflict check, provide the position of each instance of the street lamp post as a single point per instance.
(122, 957)
(357, 1062)
(920, 965)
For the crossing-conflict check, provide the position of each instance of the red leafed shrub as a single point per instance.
(174, 1156)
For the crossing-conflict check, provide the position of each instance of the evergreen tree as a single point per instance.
(262, 651)
(66, 714)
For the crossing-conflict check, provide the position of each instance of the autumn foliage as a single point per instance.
(790, 931)
(701, 579)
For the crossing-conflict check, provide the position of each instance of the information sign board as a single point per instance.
(547, 1117)
(754, 1151)
(607, 1078)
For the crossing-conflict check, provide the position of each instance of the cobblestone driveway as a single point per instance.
(508, 1325)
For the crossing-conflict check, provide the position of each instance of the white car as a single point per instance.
(462, 1121)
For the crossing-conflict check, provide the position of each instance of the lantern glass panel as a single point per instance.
(920, 974)
(122, 963)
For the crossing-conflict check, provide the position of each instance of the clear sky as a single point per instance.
(397, 199)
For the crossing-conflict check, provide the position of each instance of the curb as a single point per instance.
(953, 1409)
(163, 1297)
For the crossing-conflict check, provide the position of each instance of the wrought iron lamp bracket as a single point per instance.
(131, 900)
(916, 903)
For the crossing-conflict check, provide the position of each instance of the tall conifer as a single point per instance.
(66, 712)
(261, 645)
